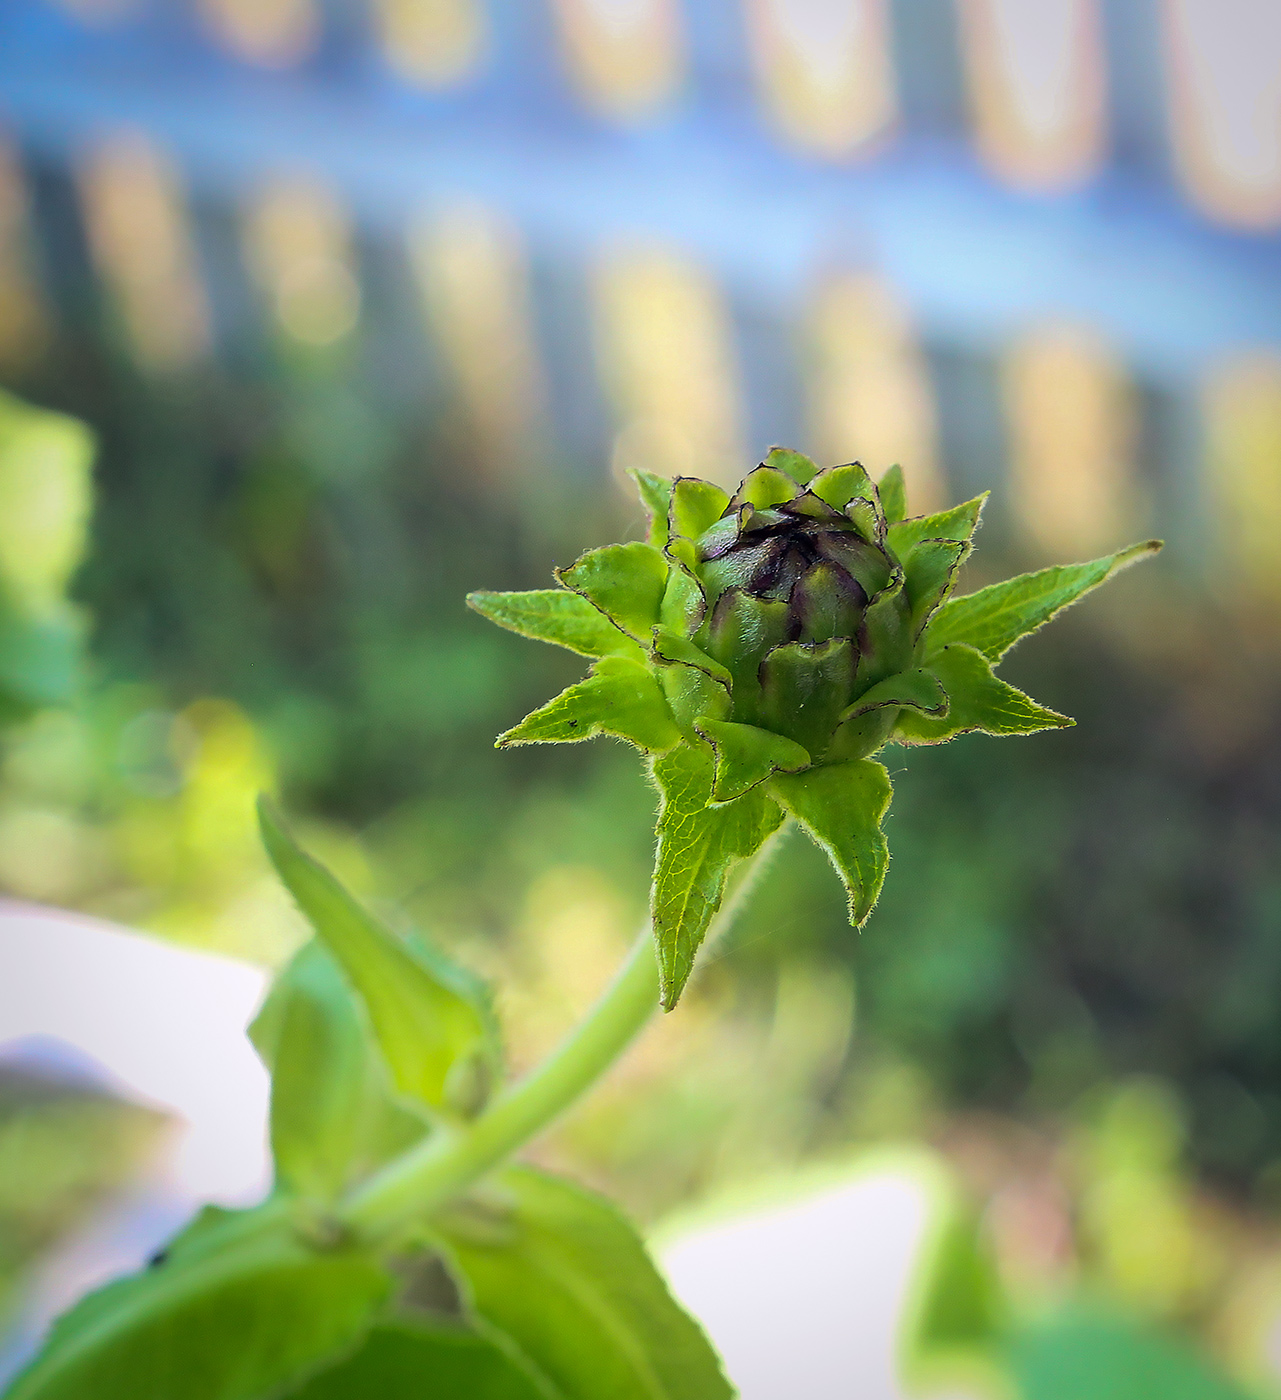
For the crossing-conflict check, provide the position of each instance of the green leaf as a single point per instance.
(885, 644)
(698, 846)
(332, 1116)
(417, 1362)
(696, 686)
(556, 616)
(917, 688)
(996, 617)
(240, 1306)
(696, 504)
(763, 487)
(620, 698)
(841, 808)
(746, 756)
(838, 486)
(796, 464)
(625, 581)
(979, 702)
(566, 1283)
(656, 496)
(893, 492)
(684, 603)
(930, 575)
(425, 1015)
(958, 523)
(1083, 1354)
(804, 688)
(40, 658)
(955, 1319)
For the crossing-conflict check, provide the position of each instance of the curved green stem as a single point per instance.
(430, 1173)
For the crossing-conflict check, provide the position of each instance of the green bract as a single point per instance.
(762, 647)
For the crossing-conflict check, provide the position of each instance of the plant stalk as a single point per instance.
(432, 1172)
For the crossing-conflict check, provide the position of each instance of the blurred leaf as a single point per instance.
(40, 658)
(625, 581)
(620, 697)
(46, 494)
(841, 808)
(1080, 1355)
(746, 756)
(425, 1015)
(332, 1116)
(566, 1281)
(996, 617)
(698, 846)
(557, 616)
(406, 1362)
(238, 1307)
(978, 700)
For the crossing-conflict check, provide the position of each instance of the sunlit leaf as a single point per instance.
(427, 1016)
(978, 702)
(698, 847)
(625, 581)
(566, 1282)
(996, 617)
(620, 698)
(838, 486)
(746, 756)
(557, 616)
(238, 1307)
(841, 808)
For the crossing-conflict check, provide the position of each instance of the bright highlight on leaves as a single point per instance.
(782, 637)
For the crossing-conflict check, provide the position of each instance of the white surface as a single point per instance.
(159, 1025)
(803, 1299)
(165, 1024)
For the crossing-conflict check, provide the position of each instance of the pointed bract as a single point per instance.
(979, 702)
(620, 698)
(698, 847)
(893, 491)
(996, 617)
(746, 755)
(625, 581)
(553, 615)
(841, 808)
(656, 496)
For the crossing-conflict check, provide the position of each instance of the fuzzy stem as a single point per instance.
(427, 1175)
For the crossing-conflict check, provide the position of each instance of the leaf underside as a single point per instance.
(233, 1313)
(567, 1285)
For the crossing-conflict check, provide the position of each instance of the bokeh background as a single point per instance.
(371, 302)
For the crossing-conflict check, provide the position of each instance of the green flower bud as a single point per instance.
(761, 647)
